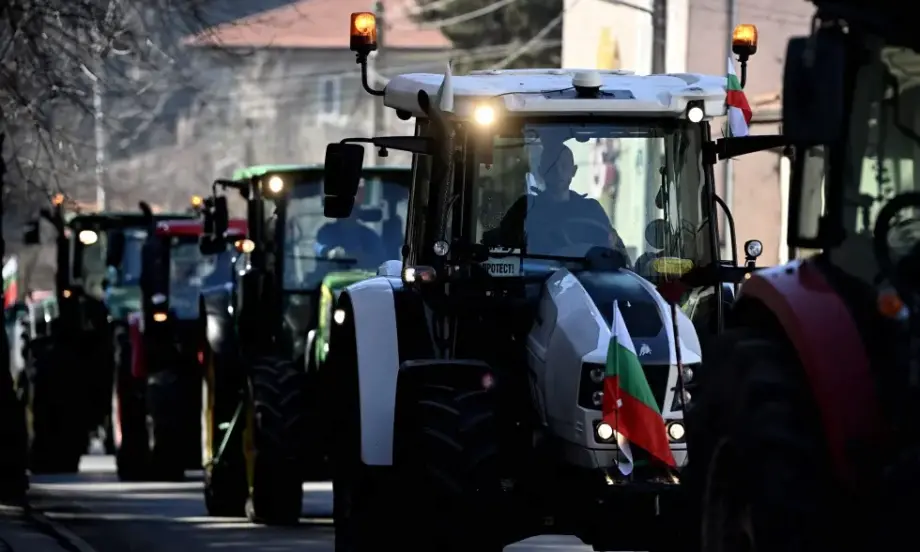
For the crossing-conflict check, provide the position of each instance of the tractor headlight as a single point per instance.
(484, 115)
(338, 316)
(598, 398)
(603, 431)
(88, 237)
(676, 431)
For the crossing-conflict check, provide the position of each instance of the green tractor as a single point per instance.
(264, 430)
(70, 369)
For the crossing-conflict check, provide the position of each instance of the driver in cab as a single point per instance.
(558, 217)
(349, 238)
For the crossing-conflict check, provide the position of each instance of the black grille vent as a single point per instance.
(642, 319)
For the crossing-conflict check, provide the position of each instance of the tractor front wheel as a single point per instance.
(759, 466)
(277, 430)
(132, 450)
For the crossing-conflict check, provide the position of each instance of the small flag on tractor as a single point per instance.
(10, 282)
(628, 404)
(739, 111)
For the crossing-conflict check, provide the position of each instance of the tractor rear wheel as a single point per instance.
(278, 410)
(446, 445)
(167, 401)
(758, 463)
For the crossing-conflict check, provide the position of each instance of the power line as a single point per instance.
(457, 19)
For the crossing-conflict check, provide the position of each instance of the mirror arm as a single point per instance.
(729, 148)
(241, 186)
(412, 144)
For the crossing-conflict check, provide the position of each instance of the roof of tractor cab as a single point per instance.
(195, 227)
(551, 92)
(107, 221)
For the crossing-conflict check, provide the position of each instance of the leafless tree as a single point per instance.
(60, 58)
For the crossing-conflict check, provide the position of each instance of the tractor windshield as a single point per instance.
(190, 272)
(316, 246)
(564, 189)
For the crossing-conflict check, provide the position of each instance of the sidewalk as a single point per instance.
(22, 531)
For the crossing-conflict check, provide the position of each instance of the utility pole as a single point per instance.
(659, 66)
(728, 173)
(99, 119)
(375, 64)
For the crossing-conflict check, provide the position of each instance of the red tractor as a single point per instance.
(160, 402)
(804, 427)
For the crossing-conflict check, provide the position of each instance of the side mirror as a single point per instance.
(656, 233)
(115, 250)
(813, 85)
(341, 178)
(211, 245)
(31, 233)
(221, 216)
(370, 214)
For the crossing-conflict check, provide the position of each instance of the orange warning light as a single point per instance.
(58, 199)
(890, 305)
(744, 40)
(363, 32)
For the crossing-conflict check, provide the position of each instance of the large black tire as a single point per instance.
(132, 456)
(13, 462)
(758, 464)
(446, 455)
(169, 418)
(225, 486)
(59, 436)
(278, 425)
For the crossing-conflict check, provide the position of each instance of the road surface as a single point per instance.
(170, 517)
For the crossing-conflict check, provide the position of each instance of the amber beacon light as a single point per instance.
(744, 41)
(363, 32)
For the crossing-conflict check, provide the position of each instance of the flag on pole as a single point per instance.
(10, 282)
(739, 111)
(628, 404)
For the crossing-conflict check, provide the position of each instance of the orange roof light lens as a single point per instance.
(363, 32)
(58, 199)
(744, 40)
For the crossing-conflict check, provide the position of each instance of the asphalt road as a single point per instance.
(170, 517)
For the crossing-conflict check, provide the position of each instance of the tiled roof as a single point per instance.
(317, 24)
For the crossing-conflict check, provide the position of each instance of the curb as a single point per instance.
(64, 536)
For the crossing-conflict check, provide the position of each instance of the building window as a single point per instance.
(330, 98)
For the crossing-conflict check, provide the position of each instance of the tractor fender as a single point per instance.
(377, 346)
(136, 338)
(391, 330)
(216, 308)
(819, 325)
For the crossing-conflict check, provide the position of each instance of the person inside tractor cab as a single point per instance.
(349, 238)
(556, 217)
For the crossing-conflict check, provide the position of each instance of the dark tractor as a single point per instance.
(261, 410)
(805, 433)
(159, 400)
(71, 371)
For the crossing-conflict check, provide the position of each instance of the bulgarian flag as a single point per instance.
(739, 111)
(10, 282)
(628, 404)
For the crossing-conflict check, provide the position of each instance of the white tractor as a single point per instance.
(466, 379)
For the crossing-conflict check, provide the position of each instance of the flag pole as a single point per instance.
(616, 411)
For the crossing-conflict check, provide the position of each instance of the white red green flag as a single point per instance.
(10, 282)
(739, 111)
(628, 403)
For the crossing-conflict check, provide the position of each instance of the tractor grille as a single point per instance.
(656, 374)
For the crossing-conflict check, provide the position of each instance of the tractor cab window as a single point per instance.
(884, 144)
(130, 269)
(569, 189)
(315, 246)
(190, 272)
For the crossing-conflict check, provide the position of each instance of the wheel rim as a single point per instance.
(727, 523)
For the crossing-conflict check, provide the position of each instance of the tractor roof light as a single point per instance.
(57, 200)
(484, 115)
(744, 41)
(88, 237)
(196, 201)
(363, 33)
(275, 184)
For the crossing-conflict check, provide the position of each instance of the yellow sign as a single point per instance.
(608, 51)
